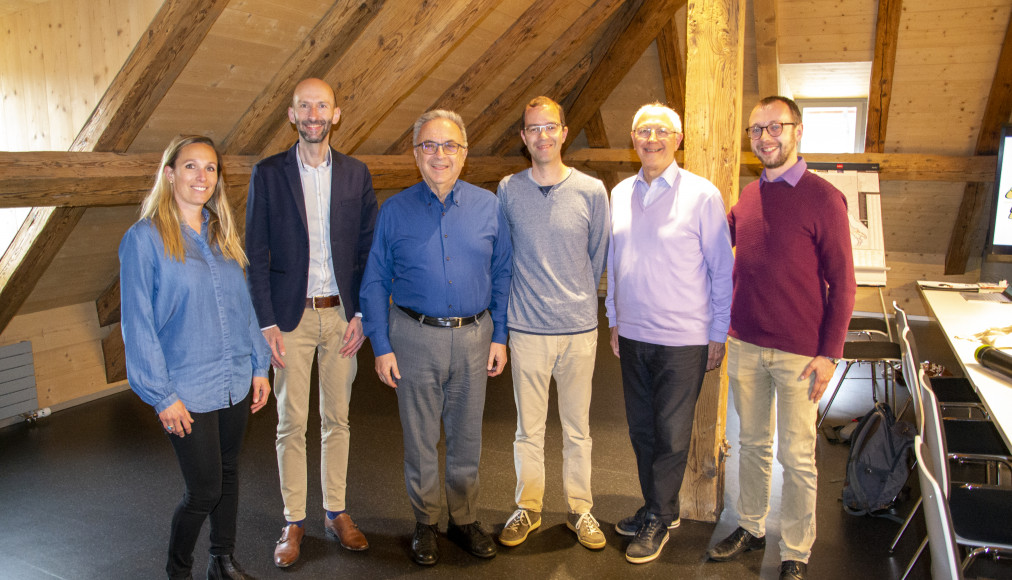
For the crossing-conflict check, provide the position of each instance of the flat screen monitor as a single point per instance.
(1000, 236)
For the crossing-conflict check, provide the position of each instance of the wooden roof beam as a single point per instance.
(161, 54)
(767, 51)
(68, 179)
(672, 69)
(401, 45)
(518, 93)
(598, 139)
(329, 40)
(887, 28)
(968, 232)
(529, 26)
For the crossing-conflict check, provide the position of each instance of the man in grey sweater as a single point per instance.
(559, 220)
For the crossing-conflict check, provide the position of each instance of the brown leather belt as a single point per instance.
(321, 302)
(449, 322)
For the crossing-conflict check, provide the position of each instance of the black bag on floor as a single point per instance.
(879, 462)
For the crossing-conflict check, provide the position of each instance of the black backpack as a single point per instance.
(879, 462)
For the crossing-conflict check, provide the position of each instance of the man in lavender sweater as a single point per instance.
(793, 297)
(669, 299)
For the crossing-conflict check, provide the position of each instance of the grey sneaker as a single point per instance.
(587, 530)
(649, 541)
(521, 523)
(632, 524)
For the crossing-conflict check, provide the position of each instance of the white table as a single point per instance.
(960, 319)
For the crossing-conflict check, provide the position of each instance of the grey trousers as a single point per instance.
(443, 377)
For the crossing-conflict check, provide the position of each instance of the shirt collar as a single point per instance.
(454, 197)
(669, 175)
(303, 167)
(792, 176)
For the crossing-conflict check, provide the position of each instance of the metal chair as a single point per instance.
(944, 550)
(874, 352)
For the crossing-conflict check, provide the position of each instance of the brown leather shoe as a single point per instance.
(287, 550)
(345, 531)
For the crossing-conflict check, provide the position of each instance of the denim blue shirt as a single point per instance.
(189, 327)
(450, 259)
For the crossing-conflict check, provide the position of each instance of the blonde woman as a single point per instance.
(193, 344)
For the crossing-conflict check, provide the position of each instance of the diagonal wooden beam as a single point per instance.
(767, 51)
(329, 40)
(163, 51)
(671, 67)
(156, 61)
(518, 93)
(526, 28)
(880, 92)
(622, 44)
(395, 52)
(967, 237)
(597, 138)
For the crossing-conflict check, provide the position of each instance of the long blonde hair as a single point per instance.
(160, 206)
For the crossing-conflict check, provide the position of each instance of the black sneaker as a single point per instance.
(632, 524)
(649, 541)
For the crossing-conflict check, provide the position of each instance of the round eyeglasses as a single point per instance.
(774, 129)
(449, 147)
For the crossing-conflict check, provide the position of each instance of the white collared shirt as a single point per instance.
(316, 191)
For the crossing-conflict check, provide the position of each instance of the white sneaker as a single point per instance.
(587, 530)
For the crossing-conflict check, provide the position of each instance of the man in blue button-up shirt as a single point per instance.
(442, 251)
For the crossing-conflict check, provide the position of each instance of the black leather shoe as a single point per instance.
(472, 539)
(225, 568)
(424, 547)
(793, 570)
(734, 545)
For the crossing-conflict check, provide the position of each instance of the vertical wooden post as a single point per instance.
(713, 130)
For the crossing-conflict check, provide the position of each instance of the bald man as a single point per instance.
(309, 225)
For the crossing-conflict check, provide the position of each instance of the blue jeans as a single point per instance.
(769, 395)
(209, 460)
(661, 385)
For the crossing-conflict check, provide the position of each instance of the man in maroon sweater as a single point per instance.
(793, 297)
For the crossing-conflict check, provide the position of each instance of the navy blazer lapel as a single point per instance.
(295, 184)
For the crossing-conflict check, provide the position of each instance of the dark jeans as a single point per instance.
(209, 458)
(661, 385)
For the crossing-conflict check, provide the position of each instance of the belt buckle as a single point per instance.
(314, 304)
(460, 323)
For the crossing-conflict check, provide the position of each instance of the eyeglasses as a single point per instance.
(449, 147)
(660, 132)
(774, 129)
(550, 128)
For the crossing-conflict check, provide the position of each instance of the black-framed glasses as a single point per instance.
(775, 128)
(550, 128)
(449, 147)
(660, 132)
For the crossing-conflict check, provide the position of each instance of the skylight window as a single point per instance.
(833, 125)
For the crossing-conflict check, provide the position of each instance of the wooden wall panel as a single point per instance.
(57, 59)
(67, 346)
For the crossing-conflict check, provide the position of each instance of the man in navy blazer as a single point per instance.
(309, 225)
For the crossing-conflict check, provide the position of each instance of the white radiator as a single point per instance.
(17, 380)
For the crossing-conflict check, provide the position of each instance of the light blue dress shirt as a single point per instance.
(189, 327)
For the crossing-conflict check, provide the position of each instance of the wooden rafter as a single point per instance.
(528, 26)
(887, 27)
(67, 179)
(614, 54)
(509, 101)
(401, 45)
(165, 47)
(329, 40)
(967, 237)
(672, 70)
(767, 51)
(598, 139)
